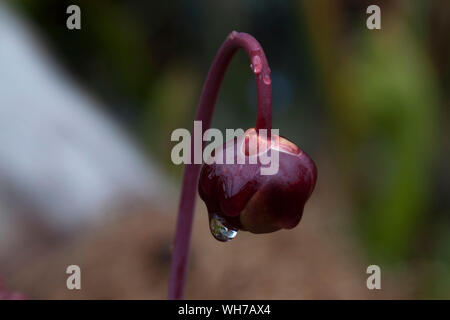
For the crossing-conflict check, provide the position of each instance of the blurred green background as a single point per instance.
(371, 105)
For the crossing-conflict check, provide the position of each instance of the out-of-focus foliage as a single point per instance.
(385, 112)
(374, 102)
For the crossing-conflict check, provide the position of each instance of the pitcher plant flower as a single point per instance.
(238, 195)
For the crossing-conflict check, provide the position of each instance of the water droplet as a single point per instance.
(219, 230)
(232, 35)
(257, 65)
(267, 79)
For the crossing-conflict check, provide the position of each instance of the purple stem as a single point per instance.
(208, 99)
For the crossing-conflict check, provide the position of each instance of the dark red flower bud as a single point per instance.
(240, 196)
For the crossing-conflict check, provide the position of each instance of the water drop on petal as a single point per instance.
(219, 230)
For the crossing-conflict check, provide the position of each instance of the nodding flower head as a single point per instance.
(242, 193)
(239, 196)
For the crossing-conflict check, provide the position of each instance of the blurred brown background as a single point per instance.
(85, 170)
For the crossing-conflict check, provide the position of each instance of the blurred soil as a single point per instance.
(129, 258)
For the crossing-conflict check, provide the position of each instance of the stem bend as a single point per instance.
(261, 70)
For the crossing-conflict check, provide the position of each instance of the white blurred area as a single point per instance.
(63, 163)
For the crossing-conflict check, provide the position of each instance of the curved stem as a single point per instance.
(208, 99)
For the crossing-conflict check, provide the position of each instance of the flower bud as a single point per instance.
(240, 195)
